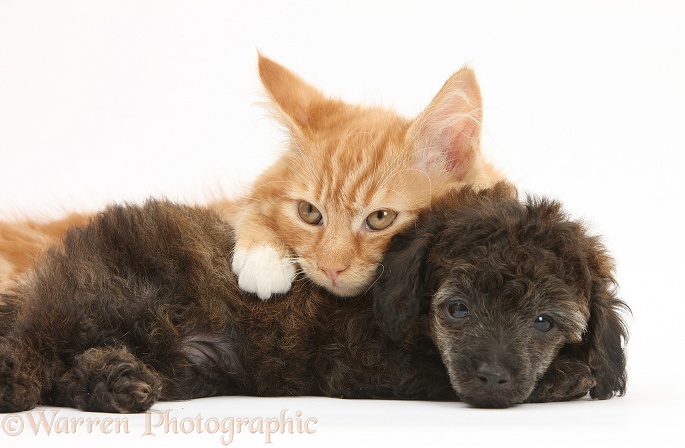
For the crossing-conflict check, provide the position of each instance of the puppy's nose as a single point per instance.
(493, 377)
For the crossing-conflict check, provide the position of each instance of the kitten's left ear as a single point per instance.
(447, 134)
(295, 99)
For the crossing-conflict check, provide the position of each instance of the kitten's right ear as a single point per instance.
(403, 279)
(446, 135)
(293, 97)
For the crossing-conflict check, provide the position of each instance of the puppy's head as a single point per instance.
(505, 285)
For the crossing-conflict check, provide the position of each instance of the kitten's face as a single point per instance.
(345, 194)
(354, 176)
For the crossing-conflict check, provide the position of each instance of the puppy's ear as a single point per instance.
(605, 338)
(588, 265)
(403, 279)
(406, 274)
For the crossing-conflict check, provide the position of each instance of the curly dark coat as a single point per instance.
(141, 305)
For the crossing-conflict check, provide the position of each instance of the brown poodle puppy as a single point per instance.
(519, 300)
(486, 299)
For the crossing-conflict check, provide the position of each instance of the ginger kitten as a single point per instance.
(351, 178)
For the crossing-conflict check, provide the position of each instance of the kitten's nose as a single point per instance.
(333, 272)
(493, 377)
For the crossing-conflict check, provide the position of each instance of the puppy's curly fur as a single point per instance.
(140, 305)
(521, 300)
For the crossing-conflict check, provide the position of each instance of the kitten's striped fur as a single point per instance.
(346, 160)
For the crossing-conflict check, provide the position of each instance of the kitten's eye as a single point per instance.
(309, 213)
(380, 219)
(543, 323)
(458, 309)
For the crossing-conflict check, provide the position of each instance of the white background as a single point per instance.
(119, 100)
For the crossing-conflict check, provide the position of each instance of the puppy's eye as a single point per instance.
(458, 310)
(308, 213)
(543, 323)
(380, 219)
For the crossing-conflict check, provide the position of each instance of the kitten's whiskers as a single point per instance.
(377, 277)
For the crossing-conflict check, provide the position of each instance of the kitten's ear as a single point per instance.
(447, 134)
(403, 279)
(294, 98)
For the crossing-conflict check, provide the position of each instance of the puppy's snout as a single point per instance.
(493, 377)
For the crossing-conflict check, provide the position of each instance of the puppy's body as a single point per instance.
(141, 305)
(145, 298)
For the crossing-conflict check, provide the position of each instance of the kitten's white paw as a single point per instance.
(262, 271)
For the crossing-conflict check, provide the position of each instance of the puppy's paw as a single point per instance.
(109, 379)
(566, 379)
(263, 270)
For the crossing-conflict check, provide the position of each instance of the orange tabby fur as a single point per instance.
(348, 161)
(22, 241)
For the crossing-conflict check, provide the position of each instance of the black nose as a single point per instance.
(493, 377)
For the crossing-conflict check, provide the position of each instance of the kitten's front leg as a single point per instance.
(260, 260)
(263, 270)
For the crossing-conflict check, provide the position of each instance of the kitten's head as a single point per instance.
(354, 176)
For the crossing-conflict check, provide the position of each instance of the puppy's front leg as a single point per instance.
(566, 379)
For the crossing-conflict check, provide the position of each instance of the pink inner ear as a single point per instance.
(448, 131)
(458, 146)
